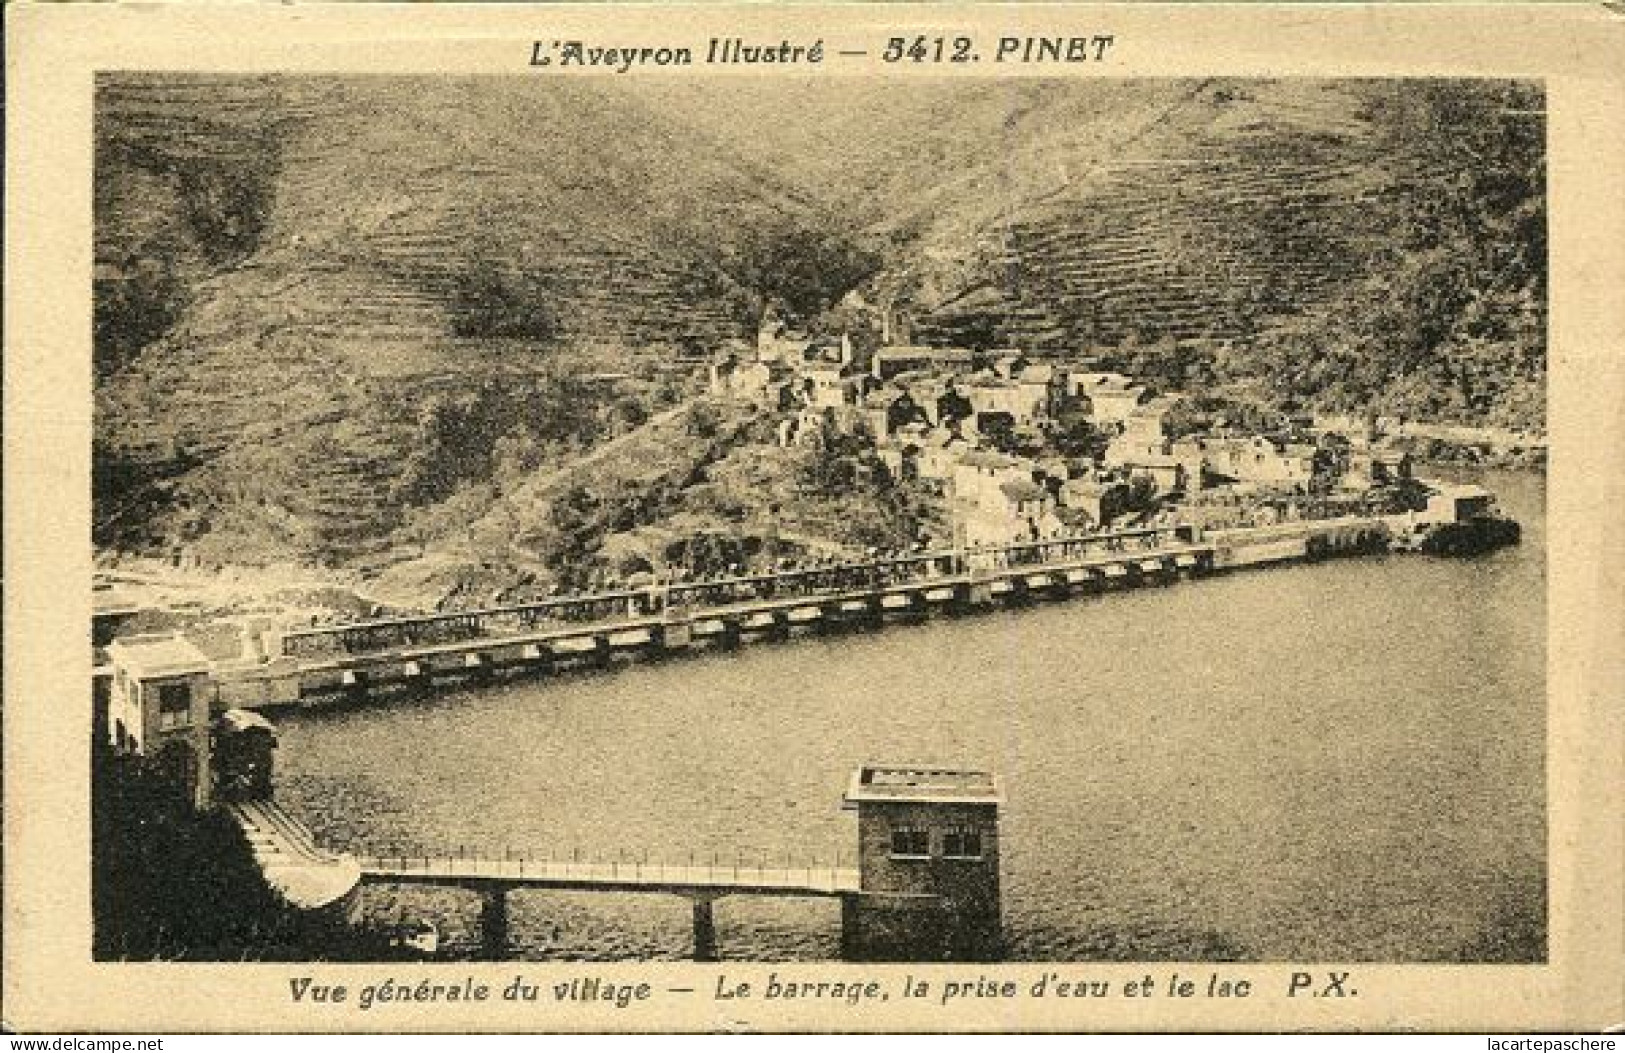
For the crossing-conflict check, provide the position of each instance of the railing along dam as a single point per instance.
(698, 595)
(401, 654)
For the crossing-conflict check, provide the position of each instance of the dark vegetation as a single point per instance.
(131, 495)
(639, 489)
(803, 263)
(873, 509)
(226, 206)
(132, 311)
(1449, 321)
(502, 426)
(499, 300)
(167, 883)
(216, 208)
(172, 884)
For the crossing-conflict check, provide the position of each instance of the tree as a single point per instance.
(1142, 494)
(1076, 436)
(495, 300)
(803, 267)
(131, 312)
(1331, 462)
(226, 207)
(703, 421)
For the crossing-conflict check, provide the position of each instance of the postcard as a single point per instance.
(814, 518)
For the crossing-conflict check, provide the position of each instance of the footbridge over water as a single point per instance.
(925, 879)
(702, 884)
(925, 883)
(309, 878)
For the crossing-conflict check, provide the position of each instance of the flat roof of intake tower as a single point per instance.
(154, 657)
(923, 782)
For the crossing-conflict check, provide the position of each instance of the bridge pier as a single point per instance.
(705, 929)
(416, 679)
(851, 928)
(478, 668)
(658, 643)
(978, 594)
(770, 626)
(494, 923)
(537, 659)
(850, 615)
(354, 683)
(677, 635)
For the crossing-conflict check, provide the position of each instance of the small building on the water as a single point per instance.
(1459, 504)
(928, 859)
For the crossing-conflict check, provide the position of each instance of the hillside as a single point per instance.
(331, 311)
(316, 258)
(1248, 220)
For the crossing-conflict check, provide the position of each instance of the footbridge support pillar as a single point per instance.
(494, 923)
(705, 929)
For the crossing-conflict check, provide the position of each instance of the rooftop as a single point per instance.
(115, 601)
(1114, 387)
(240, 720)
(1023, 490)
(147, 657)
(1153, 410)
(916, 351)
(885, 396)
(919, 782)
(988, 459)
(1461, 491)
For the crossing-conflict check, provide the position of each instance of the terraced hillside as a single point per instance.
(275, 257)
(1228, 207)
(1230, 215)
(304, 286)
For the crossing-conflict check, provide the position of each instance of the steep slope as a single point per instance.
(1230, 203)
(308, 288)
(1102, 217)
(1239, 205)
(278, 256)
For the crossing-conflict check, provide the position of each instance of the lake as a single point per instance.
(1340, 761)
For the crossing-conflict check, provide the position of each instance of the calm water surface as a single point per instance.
(1340, 762)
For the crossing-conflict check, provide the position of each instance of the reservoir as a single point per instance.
(1341, 761)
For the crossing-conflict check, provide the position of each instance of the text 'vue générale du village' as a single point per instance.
(920, 49)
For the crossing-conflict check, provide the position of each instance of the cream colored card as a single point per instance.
(1380, 793)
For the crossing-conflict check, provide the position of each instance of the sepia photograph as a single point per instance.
(675, 517)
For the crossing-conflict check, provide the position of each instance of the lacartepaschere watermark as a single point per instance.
(1552, 1045)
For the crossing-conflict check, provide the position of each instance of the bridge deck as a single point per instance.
(556, 633)
(614, 877)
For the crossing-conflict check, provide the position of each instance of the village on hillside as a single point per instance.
(1020, 448)
(994, 448)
